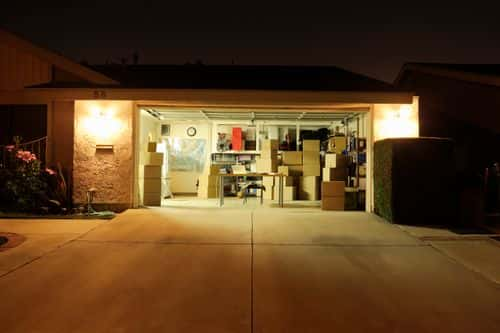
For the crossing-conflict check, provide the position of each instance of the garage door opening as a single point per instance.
(181, 150)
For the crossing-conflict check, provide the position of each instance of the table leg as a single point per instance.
(221, 191)
(280, 191)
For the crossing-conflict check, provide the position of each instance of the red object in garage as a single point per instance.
(237, 138)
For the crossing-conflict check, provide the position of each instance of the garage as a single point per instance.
(184, 151)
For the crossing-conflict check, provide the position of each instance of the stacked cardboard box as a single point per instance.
(268, 161)
(208, 182)
(289, 192)
(311, 161)
(337, 144)
(309, 188)
(269, 184)
(335, 167)
(332, 195)
(152, 177)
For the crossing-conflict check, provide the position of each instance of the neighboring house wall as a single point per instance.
(19, 69)
(465, 111)
(109, 171)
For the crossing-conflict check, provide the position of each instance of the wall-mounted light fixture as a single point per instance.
(101, 124)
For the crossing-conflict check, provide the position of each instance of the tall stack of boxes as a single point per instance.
(332, 195)
(291, 169)
(268, 162)
(152, 176)
(208, 182)
(309, 183)
(335, 167)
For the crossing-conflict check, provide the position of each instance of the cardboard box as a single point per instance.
(362, 183)
(152, 185)
(332, 189)
(268, 194)
(208, 181)
(330, 174)
(269, 145)
(332, 203)
(289, 193)
(151, 199)
(335, 161)
(362, 170)
(266, 165)
(269, 154)
(152, 147)
(208, 192)
(310, 145)
(309, 188)
(310, 157)
(337, 144)
(269, 181)
(291, 157)
(154, 158)
(287, 181)
(311, 170)
(283, 169)
(295, 170)
(211, 169)
(152, 171)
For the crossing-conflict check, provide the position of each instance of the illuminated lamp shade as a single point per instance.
(102, 126)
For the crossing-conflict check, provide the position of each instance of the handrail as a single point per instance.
(27, 143)
(37, 147)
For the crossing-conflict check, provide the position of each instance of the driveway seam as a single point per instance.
(47, 252)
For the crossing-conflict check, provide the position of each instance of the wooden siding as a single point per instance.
(19, 69)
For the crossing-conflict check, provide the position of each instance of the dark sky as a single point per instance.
(373, 39)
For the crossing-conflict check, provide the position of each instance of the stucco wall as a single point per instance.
(109, 171)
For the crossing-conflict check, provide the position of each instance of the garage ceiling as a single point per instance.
(248, 115)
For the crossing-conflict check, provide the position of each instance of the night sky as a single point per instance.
(374, 39)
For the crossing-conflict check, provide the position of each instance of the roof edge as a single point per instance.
(56, 59)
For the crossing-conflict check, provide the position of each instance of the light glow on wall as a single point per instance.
(395, 121)
(101, 123)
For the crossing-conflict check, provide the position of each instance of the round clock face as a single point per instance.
(191, 131)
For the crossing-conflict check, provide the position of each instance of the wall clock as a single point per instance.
(191, 131)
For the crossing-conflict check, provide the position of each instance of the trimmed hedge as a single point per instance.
(415, 181)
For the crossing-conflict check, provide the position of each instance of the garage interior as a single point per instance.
(322, 155)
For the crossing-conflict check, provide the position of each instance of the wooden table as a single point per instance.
(253, 174)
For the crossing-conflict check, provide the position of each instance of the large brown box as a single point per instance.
(152, 185)
(335, 161)
(311, 170)
(289, 193)
(332, 203)
(208, 192)
(268, 193)
(269, 181)
(151, 199)
(309, 188)
(337, 144)
(310, 157)
(310, 145)
(152, 171)
(291, 157)
(151, 147)
(269, 154)
(208, 181)
(330, 174)
(154, 158)
(266, 165)
(211, 169)
(294, 170)
(332, 189)
(269, 144)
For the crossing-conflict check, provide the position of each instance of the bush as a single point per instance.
(415, 180)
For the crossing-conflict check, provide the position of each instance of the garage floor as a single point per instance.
(261, 269)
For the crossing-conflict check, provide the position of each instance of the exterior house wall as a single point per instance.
(110, 171)
(19, 69)
(467, 112)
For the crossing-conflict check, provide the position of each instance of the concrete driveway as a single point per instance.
(186, 269)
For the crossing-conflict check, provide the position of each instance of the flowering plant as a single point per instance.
(26, 186)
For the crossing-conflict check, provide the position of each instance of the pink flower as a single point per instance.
(9, 148)
(25, 155)
(50, 171)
